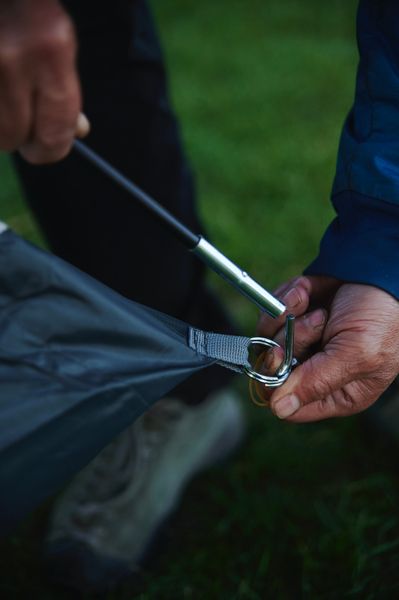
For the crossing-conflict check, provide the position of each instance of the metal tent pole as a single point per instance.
(210, 255)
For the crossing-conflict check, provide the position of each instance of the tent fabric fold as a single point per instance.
(78, 364)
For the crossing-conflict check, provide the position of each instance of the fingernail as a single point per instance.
(287, 406)
(305, 283)
(82, 126)
(317, 318)
(292, 298)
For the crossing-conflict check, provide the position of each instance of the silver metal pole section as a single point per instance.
(203, 249)
(238, 278)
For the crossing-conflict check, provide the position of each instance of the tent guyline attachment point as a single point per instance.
(214, 259)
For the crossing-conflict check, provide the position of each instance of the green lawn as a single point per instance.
(262, 88)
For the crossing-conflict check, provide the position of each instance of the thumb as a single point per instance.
(311, 385)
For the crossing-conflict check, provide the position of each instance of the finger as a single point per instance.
(57, 108)
(320, 410)
(296, 299)
(54, 128)
(15, 101)
(267, 364)
(351, 399)
(286, 285)
(308, 331)
(82, 130)
(271, 360)
(313, 381)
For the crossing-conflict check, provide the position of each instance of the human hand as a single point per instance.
(358, 356)
(40, 99)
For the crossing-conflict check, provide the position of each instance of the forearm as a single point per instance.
(362, 244)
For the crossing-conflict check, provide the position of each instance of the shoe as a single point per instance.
(104, 522)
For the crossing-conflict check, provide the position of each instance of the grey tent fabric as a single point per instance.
(78, 364)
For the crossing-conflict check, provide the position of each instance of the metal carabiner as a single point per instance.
(289, 362)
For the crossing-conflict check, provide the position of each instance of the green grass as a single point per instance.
(303, 511)
(262, 92)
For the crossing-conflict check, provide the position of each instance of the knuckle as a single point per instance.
(321, 387)
(319, 380)
(57, 131)
(50, 139)
(57, 145)
(57, 120)
(346, 397)
(59, 38)
(54, 139)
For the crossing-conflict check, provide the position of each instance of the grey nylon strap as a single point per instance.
(230, 351)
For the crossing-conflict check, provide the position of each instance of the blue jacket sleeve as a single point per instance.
(362, 243)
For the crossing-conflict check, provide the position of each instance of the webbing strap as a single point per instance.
(230, 351)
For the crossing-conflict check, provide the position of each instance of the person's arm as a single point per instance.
(40, 100)
(358, 356)
(362, 243)
(356, 275)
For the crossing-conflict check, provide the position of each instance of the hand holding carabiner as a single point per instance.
(355, 361)
(274, 365)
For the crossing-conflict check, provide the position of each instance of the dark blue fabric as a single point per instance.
(78, 364)
(362, 243)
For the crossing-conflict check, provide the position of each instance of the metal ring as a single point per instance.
(271, 381)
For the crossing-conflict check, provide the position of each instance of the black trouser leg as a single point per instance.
(93, 224)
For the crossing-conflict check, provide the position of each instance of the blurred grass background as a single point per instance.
(262, 88)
